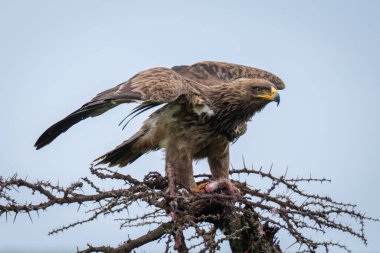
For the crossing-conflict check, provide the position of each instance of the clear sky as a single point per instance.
(56, 55)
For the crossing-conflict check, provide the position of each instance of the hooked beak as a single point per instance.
(273, 96)
(276, 98)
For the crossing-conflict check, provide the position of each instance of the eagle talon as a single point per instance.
(220, 184)
(200, 188)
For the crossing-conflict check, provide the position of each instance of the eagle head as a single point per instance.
(239, 100)
(256, 92)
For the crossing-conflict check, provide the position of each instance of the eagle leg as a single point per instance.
(219, 160)
(171, 179)
(181, 167)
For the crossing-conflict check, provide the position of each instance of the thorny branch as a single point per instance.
(249, 220)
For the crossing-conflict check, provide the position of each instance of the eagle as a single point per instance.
(204, 108)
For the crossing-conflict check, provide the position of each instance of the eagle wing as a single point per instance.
(152, 87)
(211, 73)
(156, 86)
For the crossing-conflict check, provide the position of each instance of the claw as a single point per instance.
(212, 186)
(199, 188)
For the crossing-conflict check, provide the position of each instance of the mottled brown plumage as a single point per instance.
(206, 106)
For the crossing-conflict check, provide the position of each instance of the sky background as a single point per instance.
(56, 55)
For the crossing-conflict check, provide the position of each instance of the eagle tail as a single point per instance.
(124, 154)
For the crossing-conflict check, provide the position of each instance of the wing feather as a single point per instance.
(211, 73)
(153, 86)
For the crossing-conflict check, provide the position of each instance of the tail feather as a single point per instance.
(124, 154)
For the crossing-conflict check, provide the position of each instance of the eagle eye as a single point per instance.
(257, 89)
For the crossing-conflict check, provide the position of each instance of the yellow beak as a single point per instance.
(273, 96)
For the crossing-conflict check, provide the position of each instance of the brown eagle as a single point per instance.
(205, 107)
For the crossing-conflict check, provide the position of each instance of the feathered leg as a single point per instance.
(219, 163)
(180, 165)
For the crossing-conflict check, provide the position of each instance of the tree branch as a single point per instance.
(249, 220)
(130, 245)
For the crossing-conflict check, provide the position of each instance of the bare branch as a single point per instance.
(249, 220)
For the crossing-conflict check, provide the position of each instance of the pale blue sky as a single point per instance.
(56, 55)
